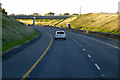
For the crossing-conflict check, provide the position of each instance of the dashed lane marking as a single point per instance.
(83, 49)
(102, 42)
(97, 66)
(77, 42)
(89, 56)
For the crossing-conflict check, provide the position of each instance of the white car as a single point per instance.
(60, 35)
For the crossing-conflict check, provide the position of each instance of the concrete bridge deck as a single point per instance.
(40, 17)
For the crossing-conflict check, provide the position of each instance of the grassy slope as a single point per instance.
(40, 21)
(14, 33)
(95, 22)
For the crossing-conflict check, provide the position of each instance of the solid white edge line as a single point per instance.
(97, 66)
(102, 42)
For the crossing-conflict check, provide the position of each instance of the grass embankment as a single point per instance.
(40, 21)
(101, 22)
(14, 33)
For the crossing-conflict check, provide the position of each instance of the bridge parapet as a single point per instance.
(41, 17)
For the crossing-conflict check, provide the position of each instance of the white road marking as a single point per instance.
(102, 75)
(83, 49)
(105, 43)
(99, 41)
(77, 42)
(97, 66)
(89, 56)
(80, 45)
(102, 42)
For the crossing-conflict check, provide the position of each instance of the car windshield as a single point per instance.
(60, 32)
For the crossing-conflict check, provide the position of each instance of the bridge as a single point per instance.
(40, 17)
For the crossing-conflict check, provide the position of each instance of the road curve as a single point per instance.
(80, 56)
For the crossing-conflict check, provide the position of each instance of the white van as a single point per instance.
(68, 26)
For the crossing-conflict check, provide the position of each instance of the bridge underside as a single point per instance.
(40, 17)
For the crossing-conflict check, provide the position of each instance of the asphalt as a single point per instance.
(80, 56)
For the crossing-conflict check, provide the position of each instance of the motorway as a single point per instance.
(80, 56)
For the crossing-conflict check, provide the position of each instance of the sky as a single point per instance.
(59, 6)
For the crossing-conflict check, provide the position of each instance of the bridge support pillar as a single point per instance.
(33, 21)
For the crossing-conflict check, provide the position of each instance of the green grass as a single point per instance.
(10, 45)
(101, 22)
(14, 33)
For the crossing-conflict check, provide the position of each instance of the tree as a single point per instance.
(0, 7)
(60, 14)
(66, 14)
(50, 14)
(3, 11)
(21, 15)
(75, 14)
(39, 15)
(35, 14)
(118, 12)
(12, 14)
(30, 15)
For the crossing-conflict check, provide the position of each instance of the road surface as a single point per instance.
(80, 56)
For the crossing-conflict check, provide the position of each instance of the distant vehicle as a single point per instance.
(68, 26)
(60, 35)
(53, 25)
(61, 27)
(47, 24)
(40, 24)
(29, 25)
